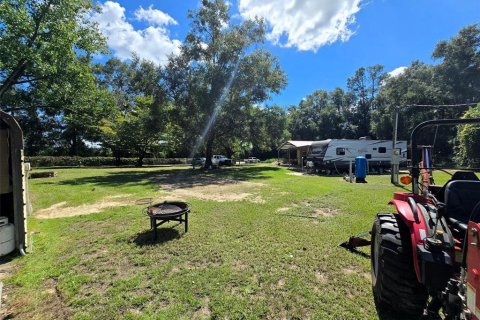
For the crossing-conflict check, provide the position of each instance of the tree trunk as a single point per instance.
(116, 155)
(141, 156)
(228, 151)
(209, 151)
(74, 148)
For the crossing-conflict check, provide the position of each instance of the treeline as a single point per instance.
(209, 98)
(204, 99)
(368, 105)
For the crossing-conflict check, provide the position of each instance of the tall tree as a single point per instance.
(267, 129)
(458, 73)
(41, 38)
(219, 73)
(414, 86)
(140, 121)
(45, 53)
(306, 120)
(364, 86)
(321, 115)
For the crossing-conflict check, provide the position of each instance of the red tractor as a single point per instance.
(426, 257)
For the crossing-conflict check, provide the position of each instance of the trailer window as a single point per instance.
(382, 150)
(368, 156)
(340, 151)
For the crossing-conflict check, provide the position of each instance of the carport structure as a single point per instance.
(299, 148)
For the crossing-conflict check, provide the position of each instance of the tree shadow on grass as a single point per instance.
(147, 238)
(179, 178)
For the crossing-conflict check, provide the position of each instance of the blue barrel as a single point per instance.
(360, 167)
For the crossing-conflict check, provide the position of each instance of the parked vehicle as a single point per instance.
(198, 161)
(425, 256)
(252, 160)
(336, 154)
(221, 160)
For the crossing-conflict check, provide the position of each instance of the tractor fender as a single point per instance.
(473, 273)
(418, 231)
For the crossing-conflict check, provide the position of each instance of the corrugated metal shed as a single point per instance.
(13, 178)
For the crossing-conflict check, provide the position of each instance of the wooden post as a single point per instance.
(350, 171)
(394, 170)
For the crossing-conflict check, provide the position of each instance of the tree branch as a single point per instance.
(29, 80)
(22, 64)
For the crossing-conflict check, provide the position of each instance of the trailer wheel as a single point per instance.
(394, 283)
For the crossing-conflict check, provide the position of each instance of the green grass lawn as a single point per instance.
(272, 253)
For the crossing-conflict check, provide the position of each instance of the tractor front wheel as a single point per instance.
(394, 283)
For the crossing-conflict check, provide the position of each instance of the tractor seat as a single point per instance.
(458, 175)
(461, 196)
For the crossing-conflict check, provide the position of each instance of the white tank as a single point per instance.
(7, 239)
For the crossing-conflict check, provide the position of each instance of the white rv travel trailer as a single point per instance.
(335, 155)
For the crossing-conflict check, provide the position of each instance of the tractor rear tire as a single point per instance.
(394, 282)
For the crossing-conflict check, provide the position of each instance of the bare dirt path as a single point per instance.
(203, 188)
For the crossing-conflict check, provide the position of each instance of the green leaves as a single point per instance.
(40, 39)
(468, 136)
(459, 71)
(221, 72)
(140, 121)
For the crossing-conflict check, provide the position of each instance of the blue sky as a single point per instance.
(319, 43)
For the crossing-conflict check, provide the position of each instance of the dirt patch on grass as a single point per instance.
(239, 266)
(319, 210)
(220, 191)
(324, 212)
(349, 270)
(60, 211)
(52, 306)
(295, 173)
(311, 212)
(203, 312)
(322, 278)
(55, 305)
(6, 269)
(201, 187)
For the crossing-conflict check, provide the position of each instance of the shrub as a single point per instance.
(49, 161)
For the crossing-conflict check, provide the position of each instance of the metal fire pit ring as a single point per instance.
(163, 212)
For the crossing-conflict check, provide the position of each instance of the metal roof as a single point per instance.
(292, 144)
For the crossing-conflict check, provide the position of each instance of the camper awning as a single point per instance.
(295, 144)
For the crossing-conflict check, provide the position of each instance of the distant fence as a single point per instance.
(47, 161)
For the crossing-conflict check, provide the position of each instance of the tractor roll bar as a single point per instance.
(416, 154)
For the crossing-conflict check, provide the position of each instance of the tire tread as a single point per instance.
(396, 286)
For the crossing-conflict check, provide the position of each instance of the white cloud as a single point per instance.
(154, 16)
(306, 25)
(152, 43)
(398, 71)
